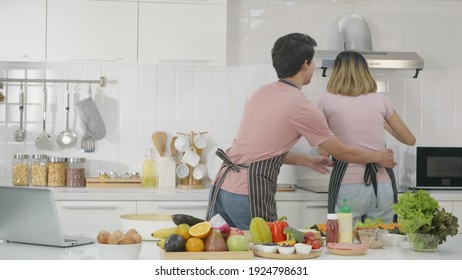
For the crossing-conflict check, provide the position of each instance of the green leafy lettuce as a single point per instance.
(419, 212)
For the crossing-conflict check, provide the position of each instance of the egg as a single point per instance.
(114, 238)
(131, 231)
(137, 237)
(102, 237)
(127, 240)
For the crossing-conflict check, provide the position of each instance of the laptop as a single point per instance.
(29, 215)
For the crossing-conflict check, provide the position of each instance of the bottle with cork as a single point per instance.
(345, 223)
(332, 228)
(150, 170)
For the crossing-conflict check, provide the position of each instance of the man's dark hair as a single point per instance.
(290, 52)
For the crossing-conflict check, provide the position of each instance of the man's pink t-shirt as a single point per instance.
(274, 119)
(358, 121)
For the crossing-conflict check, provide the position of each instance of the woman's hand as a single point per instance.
(320, 164)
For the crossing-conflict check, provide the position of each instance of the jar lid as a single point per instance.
(39, 156)
(76, 160)
(332, 216)
(57, 159)
(21, 156)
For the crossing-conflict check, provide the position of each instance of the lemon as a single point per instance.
(200, 230)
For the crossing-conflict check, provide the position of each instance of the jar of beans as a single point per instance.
(21, 170)
(57, 170)
(76, 172)
(38, 170)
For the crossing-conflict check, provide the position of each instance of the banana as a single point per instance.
(163, 232)
(161, 243)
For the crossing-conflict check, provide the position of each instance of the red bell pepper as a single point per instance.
(277, 229)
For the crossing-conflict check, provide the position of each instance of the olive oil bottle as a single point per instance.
(149, 169)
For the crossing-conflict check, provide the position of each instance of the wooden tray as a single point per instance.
(343, 252)
(313, 254)
(225, 255)
(115, 182)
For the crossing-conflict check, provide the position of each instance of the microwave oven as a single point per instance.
(439, 168)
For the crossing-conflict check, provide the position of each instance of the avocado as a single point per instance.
(179, 219)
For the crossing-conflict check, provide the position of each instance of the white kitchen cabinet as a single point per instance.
(197, 209)
(313, 212)
(23, 29)
(89, 217)
(182, 32)
(86, 30)
(290, 209)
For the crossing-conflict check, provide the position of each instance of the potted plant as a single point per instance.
(426, 224)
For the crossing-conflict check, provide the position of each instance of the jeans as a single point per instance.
(363, 203)
(234, 208)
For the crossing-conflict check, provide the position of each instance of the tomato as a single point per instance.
(315, 244)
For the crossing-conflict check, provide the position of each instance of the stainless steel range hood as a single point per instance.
(356, 33)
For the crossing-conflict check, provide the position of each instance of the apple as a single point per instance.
(237, 242)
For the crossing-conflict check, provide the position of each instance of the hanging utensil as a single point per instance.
(160, 141)
(44, 141)
(20, 133)
(66, 138)
(173, 150)
(87, 145)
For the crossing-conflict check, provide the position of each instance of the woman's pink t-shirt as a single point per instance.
(358, 121)
(274, 119)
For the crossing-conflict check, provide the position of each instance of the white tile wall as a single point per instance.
(140, 99)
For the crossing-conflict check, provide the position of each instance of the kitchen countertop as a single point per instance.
(450, 250)
(140, 194)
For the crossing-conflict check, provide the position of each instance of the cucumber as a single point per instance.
(179, 219)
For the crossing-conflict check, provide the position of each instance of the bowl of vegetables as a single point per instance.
(423, 220)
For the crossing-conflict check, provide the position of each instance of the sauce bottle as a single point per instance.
(332, 228)
(345, 222)
(149, 170)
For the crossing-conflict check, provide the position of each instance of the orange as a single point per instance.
(195, 244)
(200, 230)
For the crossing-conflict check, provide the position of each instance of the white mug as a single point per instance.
(181, 143)
(200, 142)
(191, 158)
(200, 171)
(182, 170)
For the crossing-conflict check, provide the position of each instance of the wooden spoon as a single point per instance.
(173, 150)
(159, 138)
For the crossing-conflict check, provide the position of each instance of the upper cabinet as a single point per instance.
(88, 30)
(23, 29)
(182, 32)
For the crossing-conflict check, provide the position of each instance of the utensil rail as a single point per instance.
(102, 81)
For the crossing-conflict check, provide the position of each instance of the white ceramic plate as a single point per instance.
(213, 161)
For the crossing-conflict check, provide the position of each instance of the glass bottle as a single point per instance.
(21, 170)
(76, 175)
(57, 170)
(332, 228)
(39, 165)
(345, 223)
(149, 170)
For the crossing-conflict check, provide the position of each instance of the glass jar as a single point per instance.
(21, 170)
(76, 172)
(38, 170)
(57, 170)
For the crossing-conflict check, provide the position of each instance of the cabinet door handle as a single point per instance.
(315, 206)
(183, 206)
(17, 56)
(95, 206)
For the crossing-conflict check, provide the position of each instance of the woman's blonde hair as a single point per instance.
(351, 75)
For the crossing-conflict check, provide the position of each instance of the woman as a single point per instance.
(275, 117)
(359, 116)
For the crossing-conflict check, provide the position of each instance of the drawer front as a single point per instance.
(197, 209)
(89, 217)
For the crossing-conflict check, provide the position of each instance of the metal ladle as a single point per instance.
(66, 138)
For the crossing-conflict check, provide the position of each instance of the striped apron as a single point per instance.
(370, 176)
(262, 182)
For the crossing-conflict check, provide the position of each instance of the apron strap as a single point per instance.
(228, 166)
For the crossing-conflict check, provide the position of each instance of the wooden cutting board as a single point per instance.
(225, 255)
(115, 182)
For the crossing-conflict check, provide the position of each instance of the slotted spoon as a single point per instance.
(44, 141)
(66, 138)
(20, 133)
